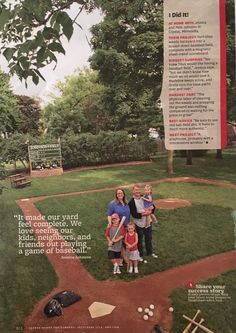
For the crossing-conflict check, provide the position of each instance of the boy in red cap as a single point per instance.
(114, 235)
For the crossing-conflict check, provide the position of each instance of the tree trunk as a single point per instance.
(189, 157)
(25, 166)
(170, 169)
(219, 154)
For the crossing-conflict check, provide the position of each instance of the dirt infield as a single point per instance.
(126, 296)
(171, 203)
(106, 166)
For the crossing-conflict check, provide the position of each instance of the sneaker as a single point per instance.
(115, 268)
(140, 259)
(135, 269)
(131, 269)
(154, 255)
(118, 270)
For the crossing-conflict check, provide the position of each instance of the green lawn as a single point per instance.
(206, 167)
(182, 235)
(23, 279)
(219, 316)
(33, 276)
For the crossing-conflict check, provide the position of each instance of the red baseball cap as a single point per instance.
(115, 216)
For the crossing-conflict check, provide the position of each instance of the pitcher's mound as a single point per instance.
(171, 203)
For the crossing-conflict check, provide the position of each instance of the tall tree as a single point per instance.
(79, 108)
(14, 149)
(9, 109)
(128, 47)
(29, 118)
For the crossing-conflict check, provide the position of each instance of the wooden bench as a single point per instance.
(19, 180)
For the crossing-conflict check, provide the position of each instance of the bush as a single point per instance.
(104, 148)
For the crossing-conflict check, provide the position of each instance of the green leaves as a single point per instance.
(31, 33)
(35, 78)
(128, 55)
(41, 55)
(68, 29)
(56, 47)
(50, 33)
(8, 53)
(66, 22)
(9, 111)
(4, 17)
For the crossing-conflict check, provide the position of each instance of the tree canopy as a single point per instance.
(79, 108)
(29, 117)
(9, 109)
(128, 47)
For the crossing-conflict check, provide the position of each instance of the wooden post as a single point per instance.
(219, 154)
(170, 154)
(189, 159)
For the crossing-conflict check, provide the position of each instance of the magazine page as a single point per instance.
(117, 166)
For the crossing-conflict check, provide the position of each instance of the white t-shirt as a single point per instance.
(139, 203)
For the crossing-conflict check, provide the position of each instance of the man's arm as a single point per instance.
(133, 209)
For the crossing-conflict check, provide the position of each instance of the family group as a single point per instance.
(125, 237)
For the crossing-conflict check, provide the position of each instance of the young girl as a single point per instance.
(131, 241)
(114, 236)
(149, 205)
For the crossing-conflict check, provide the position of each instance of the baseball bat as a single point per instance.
(196, 328)
(205, 329)
(190, 324)
(120, 225)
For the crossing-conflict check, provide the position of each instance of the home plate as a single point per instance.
(97, 309)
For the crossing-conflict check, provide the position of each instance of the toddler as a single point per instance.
(149, 205)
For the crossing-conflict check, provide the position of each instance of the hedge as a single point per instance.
(104, 148)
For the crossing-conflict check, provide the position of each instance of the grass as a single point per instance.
(209, 218)
(207, 167)
(219, 316)
(24, 280)
(33, 276)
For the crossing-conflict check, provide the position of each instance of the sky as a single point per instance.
(77, 53)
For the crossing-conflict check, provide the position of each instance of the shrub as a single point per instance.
(104, 148)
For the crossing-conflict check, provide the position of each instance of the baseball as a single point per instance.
(140, 309)
(150, 313)
(171, 309)
(145, 317)
(151, 306)
(145, 262)
(146, 310)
